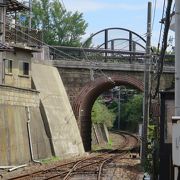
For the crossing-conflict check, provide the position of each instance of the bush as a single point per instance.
(101, 114)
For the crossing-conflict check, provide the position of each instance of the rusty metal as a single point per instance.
(40, 171)
(89, 165)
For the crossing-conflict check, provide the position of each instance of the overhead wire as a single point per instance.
(43, 43)
(154, 14)
(62, 2)
(133, 39)
(160, 32)
(100, 70)
(64, 54)
(86, 57)
(109, 78)
(144, 35)
(153, 20)
(155, 76)
(164, 46)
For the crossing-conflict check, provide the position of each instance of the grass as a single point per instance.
(108, 145)
(49, 160)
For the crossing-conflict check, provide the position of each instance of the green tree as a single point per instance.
(59, 26)
(101, 114)
(131, 112)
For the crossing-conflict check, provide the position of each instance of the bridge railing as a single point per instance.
(57, 52)
(20, 34)
(102, 55)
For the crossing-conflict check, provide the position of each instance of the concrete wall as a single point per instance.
(18, 96)
(1, 67)
(74, 80)
(17, 79)
(57, 112)
(43, 55)
(100, 134)
(14, 141)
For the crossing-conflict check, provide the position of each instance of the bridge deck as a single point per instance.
(106, 65)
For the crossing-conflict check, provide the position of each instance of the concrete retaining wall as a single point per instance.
(18, 96)
(1, 68)
(16, 78)
(56, 110)
(14, 142)
(100, 134)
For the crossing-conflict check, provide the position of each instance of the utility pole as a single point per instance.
(146, 86)
(30, 13)
(177, 58)
(177, 67)
(119, 104)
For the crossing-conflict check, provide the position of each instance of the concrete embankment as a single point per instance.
(14, 139)
(56, 110)
(100, 134)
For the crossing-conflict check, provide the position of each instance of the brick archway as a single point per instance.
(85, 99)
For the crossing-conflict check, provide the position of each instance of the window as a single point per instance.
(24, 68)
(8, 66)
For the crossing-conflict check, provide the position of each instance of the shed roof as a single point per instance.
(4, 47)
(14, 5)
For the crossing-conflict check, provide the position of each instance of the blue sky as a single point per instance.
(130, 14)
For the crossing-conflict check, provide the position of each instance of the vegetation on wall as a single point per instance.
(101, 114)
(131, 113)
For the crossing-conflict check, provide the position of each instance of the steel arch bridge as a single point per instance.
(124, 36)
(114, 42)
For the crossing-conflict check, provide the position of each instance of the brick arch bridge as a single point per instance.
(77, 78)
(85, 99)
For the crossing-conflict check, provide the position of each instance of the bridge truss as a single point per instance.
(107, 45)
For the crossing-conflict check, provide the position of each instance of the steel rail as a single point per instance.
(105, 161)
(129, 134)
(98, 160)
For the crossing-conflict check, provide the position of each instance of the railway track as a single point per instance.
(132, 141)
(88, 166)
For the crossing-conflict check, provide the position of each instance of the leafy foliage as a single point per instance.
(101, 114)
(131, 113)
(59, 26)
(152, 162)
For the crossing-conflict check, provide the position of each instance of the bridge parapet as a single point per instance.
(121, 66)
(103, 55)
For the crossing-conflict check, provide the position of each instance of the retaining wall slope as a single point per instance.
(14, 139)
(56, 111)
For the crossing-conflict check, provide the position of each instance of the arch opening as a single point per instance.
(87, 96)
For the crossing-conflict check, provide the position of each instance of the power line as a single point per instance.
(37, 40)
(61, 51)
(144, 35)
(164, 46)
(62, 2)
(160, 32)
(135, 38)
(154, 14)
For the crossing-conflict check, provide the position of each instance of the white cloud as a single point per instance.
(93, 5)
